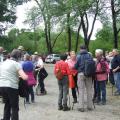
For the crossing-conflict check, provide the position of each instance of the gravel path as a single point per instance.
(45, 107)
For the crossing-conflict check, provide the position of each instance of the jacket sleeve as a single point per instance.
(76, 66)
(56, 68)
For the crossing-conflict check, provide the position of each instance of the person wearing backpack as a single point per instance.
(102, 70)
(10, 70)
(61, 71)
(28, 68)
(84, 80)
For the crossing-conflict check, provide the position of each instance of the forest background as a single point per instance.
(63, 21)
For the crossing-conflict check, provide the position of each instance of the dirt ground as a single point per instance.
(45, 107)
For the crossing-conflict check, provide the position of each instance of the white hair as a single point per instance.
(99, 51)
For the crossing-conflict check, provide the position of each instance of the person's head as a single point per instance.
(72, 55)
(1, 49)
(16, 54)
(27, 57)
(82, 47)
(21, 48)
(110, 54)
(36, 53)
(115, 52)
(99, 53)
(63, 57)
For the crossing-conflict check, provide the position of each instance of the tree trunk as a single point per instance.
(114, 24)
(69, 32)
(46, 37)
(78, 35)
(49, 38)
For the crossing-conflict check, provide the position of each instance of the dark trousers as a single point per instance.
(101, 91)
(111, 77)
(41, 81)
(74, 94)
(11, 100)
(30, 92)
(42, 85)
(63, 91)
(95, 90)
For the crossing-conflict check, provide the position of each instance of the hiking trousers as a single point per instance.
(63, 91)
(85, 83)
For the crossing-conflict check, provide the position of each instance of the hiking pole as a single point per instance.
(69, 99)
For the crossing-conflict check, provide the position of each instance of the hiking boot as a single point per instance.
(66, 108)
(81, 109)
(27, 102)
(116, 93)
(75, 100)
(103, 103)
(60, 107)
(90, 109)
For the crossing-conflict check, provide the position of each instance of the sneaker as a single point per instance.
(66, 108)
(81, 109)
(60, 107)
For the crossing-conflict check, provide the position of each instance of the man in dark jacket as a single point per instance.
(83, 81)
(116, 70)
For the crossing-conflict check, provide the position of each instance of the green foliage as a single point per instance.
(7, 11)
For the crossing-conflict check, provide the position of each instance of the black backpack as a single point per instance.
(89, 68)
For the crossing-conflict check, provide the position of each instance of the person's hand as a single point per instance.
(114, 70)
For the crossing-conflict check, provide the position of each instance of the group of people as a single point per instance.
(13, 67)
(107, 67)
(71, 68)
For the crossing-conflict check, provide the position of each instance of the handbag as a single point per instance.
(42, 73)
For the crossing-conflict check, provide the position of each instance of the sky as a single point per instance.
(21, 15)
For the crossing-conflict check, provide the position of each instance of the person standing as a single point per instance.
(116, 70)
(10, 70)
(28, 68)
(84, 81)
(102, 70)
(71, 62)
(63, 82)
(42, 74)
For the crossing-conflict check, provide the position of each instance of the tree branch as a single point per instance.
(87, 26)
(93, 24)
(56, 39)
(118, 31)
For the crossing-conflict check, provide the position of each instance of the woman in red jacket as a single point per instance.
(71, 63)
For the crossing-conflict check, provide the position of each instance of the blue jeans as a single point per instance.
(101, 91)
(117, 81)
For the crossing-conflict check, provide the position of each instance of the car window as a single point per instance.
(56, 56)
(49, 56)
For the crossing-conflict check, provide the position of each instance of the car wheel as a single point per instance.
(54, 61)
